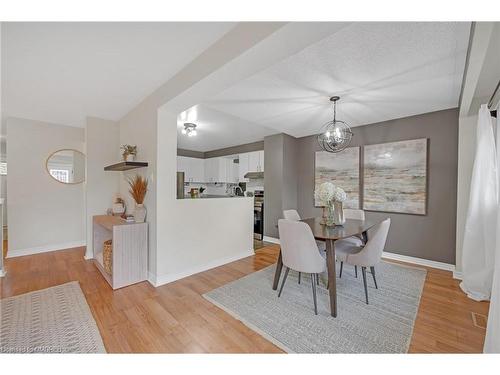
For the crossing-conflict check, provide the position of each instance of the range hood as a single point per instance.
(254, 175)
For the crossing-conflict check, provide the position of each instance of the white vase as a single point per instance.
(129, 157)
(338, 213)
(140, 213)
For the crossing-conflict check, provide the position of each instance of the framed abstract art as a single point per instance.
(395, 177)
(342, 169)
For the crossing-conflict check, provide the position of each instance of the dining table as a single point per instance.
(330, 234)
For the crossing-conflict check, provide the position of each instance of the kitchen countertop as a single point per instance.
(208, 196)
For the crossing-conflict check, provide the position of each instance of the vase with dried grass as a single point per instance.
(138, 188)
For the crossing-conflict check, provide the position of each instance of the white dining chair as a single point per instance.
(365, 256)
(299, 252)
(291, 215)
(294, 216)
(353, 240)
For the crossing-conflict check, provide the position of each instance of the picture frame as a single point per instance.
(343, 170)
(395, 177)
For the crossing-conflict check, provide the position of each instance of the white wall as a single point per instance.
(102, 148)
(190, 236)
(195, 235)
(44, 214)
(2, 150)
(139, 128)
(3, 187)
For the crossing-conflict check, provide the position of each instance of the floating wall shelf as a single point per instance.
(126, 165)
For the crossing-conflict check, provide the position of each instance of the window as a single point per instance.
(60, 174)
(3, 168)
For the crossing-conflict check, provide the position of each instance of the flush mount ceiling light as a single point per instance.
(335, 135)
(189, 129)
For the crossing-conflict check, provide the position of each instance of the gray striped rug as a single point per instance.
(383, 326)
(52, 320)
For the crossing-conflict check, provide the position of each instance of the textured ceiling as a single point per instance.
(63, 72)
(217, 130)
(381, 71)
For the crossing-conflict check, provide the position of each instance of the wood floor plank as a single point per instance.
(175, 318)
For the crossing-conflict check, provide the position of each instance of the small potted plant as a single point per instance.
(129, 152)
(138, 188)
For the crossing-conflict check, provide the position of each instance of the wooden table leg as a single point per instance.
(279, 266)
(332, 276)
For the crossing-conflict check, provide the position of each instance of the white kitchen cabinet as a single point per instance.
(193, 168)
(216, 170)
(197, 167)
(243, 167)
(261, 161)
(250, 162)
(256, 161)
(253, 161)
(231, 171)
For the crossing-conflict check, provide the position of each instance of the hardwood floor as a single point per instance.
(176, 318)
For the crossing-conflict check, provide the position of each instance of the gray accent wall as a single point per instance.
(431, 236)
(280, 179)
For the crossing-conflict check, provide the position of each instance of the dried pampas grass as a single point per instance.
(138, 188)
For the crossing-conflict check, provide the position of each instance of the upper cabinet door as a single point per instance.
(261, 161)
(253, 161)
(243, 167)
(210, 170)
(193, 168)
(198, 170)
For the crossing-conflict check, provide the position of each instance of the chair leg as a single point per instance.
(341, 267)
(372, 269)
(317, 279)
(356, 271)
(283, 282)
(363, 271)
(299, 277)
(313, 276)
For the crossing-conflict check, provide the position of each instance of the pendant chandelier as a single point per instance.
(335, 135)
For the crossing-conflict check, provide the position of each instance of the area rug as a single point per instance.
(53, 320)
(383, 326)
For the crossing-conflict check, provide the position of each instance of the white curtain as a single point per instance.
(479, 244)
(492, 341)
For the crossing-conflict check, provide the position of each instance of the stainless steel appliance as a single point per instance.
(180, 185)
(258, 215)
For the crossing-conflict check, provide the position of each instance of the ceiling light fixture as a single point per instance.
(335, 135)
(189, 129)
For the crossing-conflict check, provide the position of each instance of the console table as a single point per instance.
(130, 249)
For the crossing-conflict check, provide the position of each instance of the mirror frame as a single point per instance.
(55, 179)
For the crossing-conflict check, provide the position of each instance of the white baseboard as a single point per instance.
(43, 249)
(152, 278)
(419, 261)
(271, 239)
(403, 258)
(165, 279)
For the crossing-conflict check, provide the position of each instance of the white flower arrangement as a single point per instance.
(327, 193)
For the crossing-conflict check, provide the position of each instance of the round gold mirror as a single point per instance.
(67, 166)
